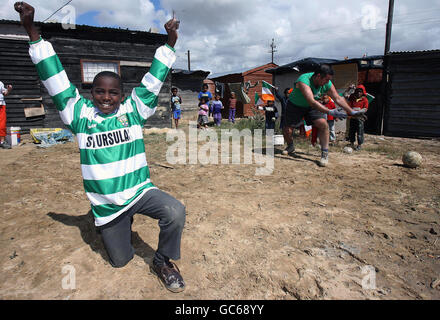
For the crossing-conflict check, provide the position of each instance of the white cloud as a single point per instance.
(227, 35)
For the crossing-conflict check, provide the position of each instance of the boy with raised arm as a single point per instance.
(112, 151)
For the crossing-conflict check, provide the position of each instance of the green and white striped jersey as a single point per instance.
(112, 151)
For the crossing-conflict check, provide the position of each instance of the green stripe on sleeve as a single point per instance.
(159, 70)
(170, 47)
(146, 96)
(36, 41)
(49, 67)
(62, 98)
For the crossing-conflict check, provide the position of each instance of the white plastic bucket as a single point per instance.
(278, 140)
(13, 135)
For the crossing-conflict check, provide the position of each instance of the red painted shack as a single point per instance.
(251, 76)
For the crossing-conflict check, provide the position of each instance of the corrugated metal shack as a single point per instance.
(189, 84)
(251, 76)
(129, 52)
(413, 94)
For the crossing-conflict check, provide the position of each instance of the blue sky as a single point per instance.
(89, 17)
(225, 35)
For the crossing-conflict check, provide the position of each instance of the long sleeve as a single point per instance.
(63, 93)
(146, 95)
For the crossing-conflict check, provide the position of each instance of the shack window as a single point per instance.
(90, 68)
(378, 62)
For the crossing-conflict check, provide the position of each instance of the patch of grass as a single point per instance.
(154, 138)
(256, 121)
(386, 150)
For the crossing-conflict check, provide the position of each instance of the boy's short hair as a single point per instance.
(109, 74)
(174, 88)
(205, 85)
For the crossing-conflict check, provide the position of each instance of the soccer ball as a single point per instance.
(412, 159)
(348, 150)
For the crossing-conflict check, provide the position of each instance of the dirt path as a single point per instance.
(303, 232)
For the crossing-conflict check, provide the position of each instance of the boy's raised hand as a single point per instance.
(26, 12)
(171, 27)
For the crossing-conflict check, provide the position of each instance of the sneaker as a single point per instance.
(358, 148)
(5, 145)
(169, 275)
(323, 162)
(289, 150)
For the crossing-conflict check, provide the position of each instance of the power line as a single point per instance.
(57, 11)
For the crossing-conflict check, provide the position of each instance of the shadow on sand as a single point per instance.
(90, 235)
(298, 156)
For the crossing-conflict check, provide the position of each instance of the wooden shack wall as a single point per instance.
(71, 51)
(17, 69)
(253, 77)
(230, 78)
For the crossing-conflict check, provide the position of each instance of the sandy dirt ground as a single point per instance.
(365, 227)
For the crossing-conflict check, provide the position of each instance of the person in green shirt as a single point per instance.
(304, 104)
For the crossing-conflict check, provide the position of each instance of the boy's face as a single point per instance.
(174, 92)
(217, 98)
(358, 93)
(107, 95)
(325, 99)
(205, 88)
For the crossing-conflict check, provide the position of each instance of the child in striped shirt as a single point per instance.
(112, 151)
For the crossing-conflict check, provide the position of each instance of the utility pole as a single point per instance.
(272, 47)
(389, 26)
(189, 60)
(385, 72)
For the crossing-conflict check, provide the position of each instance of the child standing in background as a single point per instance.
(3, 93)
(232, 106)
(176, 100)
(271, 113)
(216, 110)
(329, 104)
(205, 93)
(358, 101)
(202, 120)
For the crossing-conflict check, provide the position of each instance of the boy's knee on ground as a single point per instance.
(120, 259)
(175, 214)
